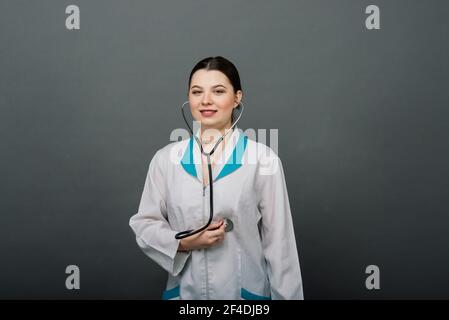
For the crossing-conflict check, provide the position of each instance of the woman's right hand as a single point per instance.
(211, 236)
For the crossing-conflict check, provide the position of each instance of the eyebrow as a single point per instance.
(217, 85)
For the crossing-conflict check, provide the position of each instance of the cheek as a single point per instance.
(194, 103)
(194, 109)
(226, 104)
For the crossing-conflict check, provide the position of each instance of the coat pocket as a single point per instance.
(247, 295)
(172, 294)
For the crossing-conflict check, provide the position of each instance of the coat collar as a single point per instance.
(233, 152)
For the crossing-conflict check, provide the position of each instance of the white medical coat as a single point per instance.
(258, 259)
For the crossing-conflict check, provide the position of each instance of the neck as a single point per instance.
(209, 136)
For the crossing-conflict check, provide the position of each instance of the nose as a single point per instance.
(206, 99)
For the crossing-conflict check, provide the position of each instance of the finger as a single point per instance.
(219, 235)
(222, 228)
(216, 233)
(215, 225)
(219, 240)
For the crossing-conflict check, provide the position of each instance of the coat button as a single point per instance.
(229, 225)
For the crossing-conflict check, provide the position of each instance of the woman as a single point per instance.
(258, 258)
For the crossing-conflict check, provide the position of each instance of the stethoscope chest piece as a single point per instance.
(229, 225)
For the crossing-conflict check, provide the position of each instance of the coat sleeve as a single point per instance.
(277, 232)
(150, 224)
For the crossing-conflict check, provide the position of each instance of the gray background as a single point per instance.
(362, 118)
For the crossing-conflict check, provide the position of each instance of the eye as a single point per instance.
(219, 91)
(196, 92)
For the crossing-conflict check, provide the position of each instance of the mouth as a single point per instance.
(208, 112)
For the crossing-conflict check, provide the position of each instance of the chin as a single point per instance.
(210, 123)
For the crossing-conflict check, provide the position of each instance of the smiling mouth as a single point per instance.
(208, 113)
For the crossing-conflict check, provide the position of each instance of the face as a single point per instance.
(212, 98)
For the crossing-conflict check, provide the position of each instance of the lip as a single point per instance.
(208, 112)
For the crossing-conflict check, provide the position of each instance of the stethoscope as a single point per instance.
(228, 223)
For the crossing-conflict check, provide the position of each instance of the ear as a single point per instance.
(238, 98)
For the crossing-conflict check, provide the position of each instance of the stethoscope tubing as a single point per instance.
(188, 233)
